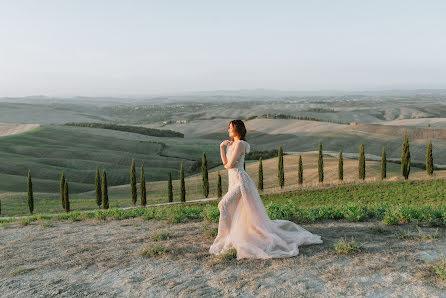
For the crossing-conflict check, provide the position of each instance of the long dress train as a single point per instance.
(245, 225)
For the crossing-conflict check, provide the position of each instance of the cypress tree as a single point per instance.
(143, 188)
(30, 193)
(361, 165)
(300, 177)
(405, 157)
(62, 183)
(205, 176)
(183, 186)
(219, 187)
(260, 177)
(169, 187)
(104, 191)
(320, 164)
(429, 159)
(98, 188)
(133, 182)
(383, 164)
(65, 197)
(280, 172)
(341, 166)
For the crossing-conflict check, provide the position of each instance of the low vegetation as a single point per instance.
(343, 246)
(420, 202)
(229, 255)
(155, 250)
(161, 236)
(130, 128)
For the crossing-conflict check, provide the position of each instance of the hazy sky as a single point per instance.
(93, 47)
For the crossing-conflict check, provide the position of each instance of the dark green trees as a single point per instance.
(405, 157)
(143, 188)
(429, 159)
(320, 164)
(361, 165)
(204, 176)
(133, 182)
(98, 188)
(383, 164)
(260, 175)
(30, 193)
(219, 186)
(182, 184)
(66, 197)
(341, 166)
(62, 182)
(104, 191)
(300, 170)
(280, 170)
(169, 188)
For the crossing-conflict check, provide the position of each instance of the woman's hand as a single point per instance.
(225, 143)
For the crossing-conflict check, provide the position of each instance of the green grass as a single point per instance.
(51, 149)
(161, 236)
(229, 255)
(298, 207)
(343, 246)
(155, 250)
(410, 193)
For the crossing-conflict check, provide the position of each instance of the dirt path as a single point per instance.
(7, 129)
(94, 258)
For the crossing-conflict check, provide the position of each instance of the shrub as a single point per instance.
(347, 247)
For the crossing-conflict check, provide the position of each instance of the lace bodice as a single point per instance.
(243, 148)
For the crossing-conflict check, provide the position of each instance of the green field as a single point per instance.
(397, 202)
(51, 149)
(409, 193)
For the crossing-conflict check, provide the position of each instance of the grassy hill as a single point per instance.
(119, 196)
(51, 149)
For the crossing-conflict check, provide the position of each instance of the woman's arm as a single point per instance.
(236, 152)
(223, 154)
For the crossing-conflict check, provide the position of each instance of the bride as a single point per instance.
(244, 223)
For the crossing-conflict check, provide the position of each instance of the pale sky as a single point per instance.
(106, 47)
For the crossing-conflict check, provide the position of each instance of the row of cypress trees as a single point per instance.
(102, 193)
(405, 164)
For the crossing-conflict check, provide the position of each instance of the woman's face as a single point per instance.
(231, 131)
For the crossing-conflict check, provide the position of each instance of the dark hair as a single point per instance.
(239, 127)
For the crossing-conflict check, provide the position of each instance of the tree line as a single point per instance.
(129, 128)
(102, 199)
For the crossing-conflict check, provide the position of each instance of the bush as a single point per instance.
(211, 213)
(355, 213)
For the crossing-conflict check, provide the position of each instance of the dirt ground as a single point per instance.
(7, 129)
(93, 258)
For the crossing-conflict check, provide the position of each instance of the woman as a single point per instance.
(244, 223)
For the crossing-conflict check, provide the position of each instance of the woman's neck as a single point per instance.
(236, 139)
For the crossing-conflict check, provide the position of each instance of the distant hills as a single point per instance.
(223, 95)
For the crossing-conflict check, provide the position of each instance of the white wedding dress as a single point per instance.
(244, 223)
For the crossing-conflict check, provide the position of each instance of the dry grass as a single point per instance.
(120, 258)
